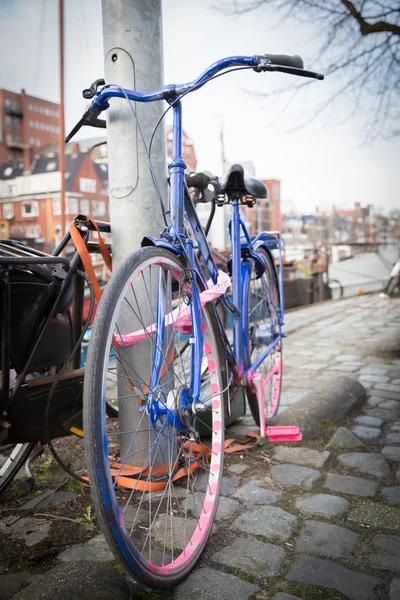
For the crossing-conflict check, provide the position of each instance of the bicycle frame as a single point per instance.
(176, 239)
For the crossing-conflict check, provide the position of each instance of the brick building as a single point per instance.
(30, 204)
(188, 151)
(27, 123)
(266, 214)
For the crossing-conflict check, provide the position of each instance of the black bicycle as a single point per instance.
(42, 299)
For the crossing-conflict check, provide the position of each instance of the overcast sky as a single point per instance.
(322, 165)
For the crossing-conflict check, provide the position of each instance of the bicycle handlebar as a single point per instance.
(293, 65)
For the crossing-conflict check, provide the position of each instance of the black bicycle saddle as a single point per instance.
(236, 184)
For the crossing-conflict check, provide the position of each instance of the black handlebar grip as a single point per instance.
(197, 180)
(286, 61)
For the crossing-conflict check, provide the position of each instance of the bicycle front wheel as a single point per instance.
(263, 329)
(156, 470)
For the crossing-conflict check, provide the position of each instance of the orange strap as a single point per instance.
(123, 475)
(84, 254)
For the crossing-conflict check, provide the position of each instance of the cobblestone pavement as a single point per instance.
(315, 520)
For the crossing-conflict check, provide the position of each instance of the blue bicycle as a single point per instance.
(160, 354)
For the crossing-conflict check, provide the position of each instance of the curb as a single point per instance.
(332, 402)
(388, 345)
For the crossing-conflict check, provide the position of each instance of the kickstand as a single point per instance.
(29, 481)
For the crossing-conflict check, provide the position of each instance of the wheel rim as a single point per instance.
(12, 457)
(263, 329)
(164, 527)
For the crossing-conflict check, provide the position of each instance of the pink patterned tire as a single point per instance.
(155, 471)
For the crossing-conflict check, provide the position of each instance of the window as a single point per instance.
(33, 231)
(85, 207)
(31, 124)
(8, 211)
(30, 107)
(98, 208)
(12, 189)
(51, 165)
(30, 209)
(57, 207)
(9, 120)
(71, 206)
(87, 185)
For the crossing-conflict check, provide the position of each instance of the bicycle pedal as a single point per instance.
(289, 433)
(76, 431)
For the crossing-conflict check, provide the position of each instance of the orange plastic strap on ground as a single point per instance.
(124, 474)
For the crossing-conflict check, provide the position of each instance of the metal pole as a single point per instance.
(132, 35)
(61, 153)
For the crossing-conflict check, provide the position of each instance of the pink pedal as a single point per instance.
(289, 433)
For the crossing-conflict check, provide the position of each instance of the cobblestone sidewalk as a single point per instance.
(315, 520)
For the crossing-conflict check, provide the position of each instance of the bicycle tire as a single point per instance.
(264, 300)
(190, 504)
(13, 462)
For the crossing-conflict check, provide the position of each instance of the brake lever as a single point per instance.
(90, 118)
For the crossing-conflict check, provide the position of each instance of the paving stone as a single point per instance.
(290, 397)
(368, 421)
(347, 357)
(14, 582)
(344, 438)
(390, 404)
(383, 413)
(375, 378)
(374, 370)
(370, 464)
(326, 540)
(238, 468)
(394, 590)
(393, 438)
(374, 401)
(283, 596)
(389, 387)
(295, 475)
(377, 515)
(366, 433)
(391, 453)
(395, 427)
(96, 549)
(48, 499)
(385, 561)
(392, 494)
(324, 573)
(322, 504)
(29, 529)
(209, 584)
(347, 484)
(252, 493)
(228, 482)
(251, 556)
(226, 506)
(345, 368)
(300, 456)
(78, 580)
(270, 521)
(389, 544)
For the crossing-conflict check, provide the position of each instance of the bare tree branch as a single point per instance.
(359, 49)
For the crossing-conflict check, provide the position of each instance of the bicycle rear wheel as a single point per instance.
(263, 328)
(155, 477)
(12, 458)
